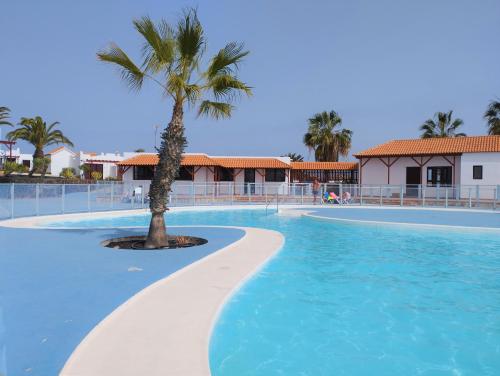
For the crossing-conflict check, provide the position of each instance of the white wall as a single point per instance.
(203, 175)
(491, 168)
(375, 172)
(63, 159)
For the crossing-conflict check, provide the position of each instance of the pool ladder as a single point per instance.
(270, 201)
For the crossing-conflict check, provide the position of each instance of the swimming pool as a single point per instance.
(357, 299)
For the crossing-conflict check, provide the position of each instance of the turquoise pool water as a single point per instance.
(359, 299)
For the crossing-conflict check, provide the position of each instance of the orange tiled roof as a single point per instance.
(197, 160)
(152, 160)
(324, 166)
(235, 162)
(58, 149)
(434, 146)
(140, 160)
(53, 151)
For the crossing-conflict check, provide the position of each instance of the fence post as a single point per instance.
(341, 193)
(381, 196)
(37, 199)
(495, 197)
(63, 198)
(302, 194)
(360, 195)
(446, 197)
(401, 192)
(232, 193)
(193, 193)
(248, 191)
(477, 195)
(470, 197)
(12, 200)
(112, 194)
(88, 197)
(423, 196)
(142, 196)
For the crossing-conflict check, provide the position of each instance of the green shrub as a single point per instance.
(10, 167)
(68, 173)
(96, 175)
(40, 165)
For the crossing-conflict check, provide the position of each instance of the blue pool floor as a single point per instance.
(56, 285)
(449, 217)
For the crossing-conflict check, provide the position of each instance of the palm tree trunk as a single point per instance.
(170, 155)
(37, 156)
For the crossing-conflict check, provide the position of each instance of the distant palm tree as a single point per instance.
(442, 126)
(172, 58)
(294, 157)
(324, 137)
(492, 116)
(4, 115)
(37, 133)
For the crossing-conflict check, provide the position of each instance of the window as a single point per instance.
(439, 175)
(143, 172)
(275, 175)
(477, 172)
(185, 173)
(225, 174)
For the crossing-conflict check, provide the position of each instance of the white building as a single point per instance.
(238, 173)
(61, 158)
(104, 163)
(435, 162)
(8, 153)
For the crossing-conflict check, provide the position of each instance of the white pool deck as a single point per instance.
(165, 329)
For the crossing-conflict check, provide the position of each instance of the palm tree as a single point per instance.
(37, 133)
(172, 58)
(492, 116)
(442, 126)
(4, 115)
(294, 157)
(324, 137)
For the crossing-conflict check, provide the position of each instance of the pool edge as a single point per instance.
(161, 344)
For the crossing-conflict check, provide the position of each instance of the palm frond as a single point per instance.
(492, 117)
(442, 125)
(226, 87)
(227, 60)
(193, 93)
(216, 110)
(4, 115)
(159, 47)
(190, 40)
(130, 73)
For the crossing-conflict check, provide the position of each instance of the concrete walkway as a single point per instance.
(165, 329)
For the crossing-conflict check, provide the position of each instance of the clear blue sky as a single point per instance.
(385, 66)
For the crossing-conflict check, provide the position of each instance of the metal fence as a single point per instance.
(21, 200)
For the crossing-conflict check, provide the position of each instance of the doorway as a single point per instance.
(249, 180)
(413, 180)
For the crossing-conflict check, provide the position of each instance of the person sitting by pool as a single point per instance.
(346, 198)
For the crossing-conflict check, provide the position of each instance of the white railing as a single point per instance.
(21, 200)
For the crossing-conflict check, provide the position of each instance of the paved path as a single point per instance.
(165, 329)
